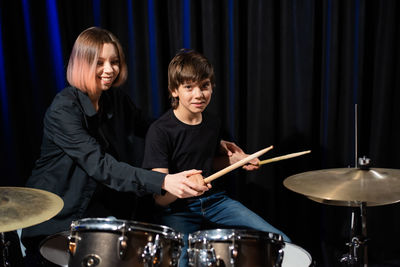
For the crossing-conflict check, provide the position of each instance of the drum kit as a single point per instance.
(111, 242)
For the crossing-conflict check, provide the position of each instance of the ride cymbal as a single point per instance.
(348, 186)
(21, 207)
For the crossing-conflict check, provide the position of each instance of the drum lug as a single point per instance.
(122, 246)
(175, 255)
(191, 256)
(152, 253)
(233, 249)
(206, 255)
(279, 259)
(72, 244)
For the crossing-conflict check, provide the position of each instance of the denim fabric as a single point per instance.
(211, 212)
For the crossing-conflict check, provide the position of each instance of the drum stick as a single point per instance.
(236, 165)
(288, 156)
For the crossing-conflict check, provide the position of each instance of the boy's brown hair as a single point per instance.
(188, 66)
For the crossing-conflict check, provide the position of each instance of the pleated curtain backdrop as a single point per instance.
(289, 73)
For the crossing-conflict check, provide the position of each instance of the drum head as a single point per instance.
(295, 256)
(115, 225)
(55, 248)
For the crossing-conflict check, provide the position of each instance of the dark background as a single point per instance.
(289, 73)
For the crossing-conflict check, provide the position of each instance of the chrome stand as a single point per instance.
(358, 253)
(4, 248)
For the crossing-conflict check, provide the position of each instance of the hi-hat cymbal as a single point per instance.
(21, 207)
(348, 186)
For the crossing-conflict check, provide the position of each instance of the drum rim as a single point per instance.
(227, 234)
(118, 225)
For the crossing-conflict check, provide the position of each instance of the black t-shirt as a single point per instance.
(177, 146)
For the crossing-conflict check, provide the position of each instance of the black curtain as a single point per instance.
(289, 73)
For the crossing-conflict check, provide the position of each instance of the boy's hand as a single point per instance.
(236, 154)
(229, 148)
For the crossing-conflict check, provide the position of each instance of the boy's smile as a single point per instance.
(193, 97)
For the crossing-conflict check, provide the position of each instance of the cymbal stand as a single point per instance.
(357, 244)
(4, 248)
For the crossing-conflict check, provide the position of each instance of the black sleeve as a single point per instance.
(65, 124)
(156, 152)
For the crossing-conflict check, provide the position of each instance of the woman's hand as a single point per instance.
(180, 186)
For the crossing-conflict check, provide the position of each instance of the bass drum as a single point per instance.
(232, 247)
(295, 256)
(55, 249)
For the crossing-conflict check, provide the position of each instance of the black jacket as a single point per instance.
(84, 151)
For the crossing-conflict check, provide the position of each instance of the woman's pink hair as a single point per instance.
(81, 70)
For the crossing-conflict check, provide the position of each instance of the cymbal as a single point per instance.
(21, 207)
(348, 186)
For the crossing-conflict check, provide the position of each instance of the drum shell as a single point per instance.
(250, 248)
(97, 243)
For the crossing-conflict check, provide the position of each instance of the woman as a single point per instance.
(87, 147)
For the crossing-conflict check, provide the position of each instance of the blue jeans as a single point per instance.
(210, 212)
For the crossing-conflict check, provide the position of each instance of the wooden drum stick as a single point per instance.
(288, 156)
(236, 165)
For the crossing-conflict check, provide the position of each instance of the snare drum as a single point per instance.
(295, 256)
(109, 242)
(239, 248)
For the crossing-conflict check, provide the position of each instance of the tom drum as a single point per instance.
(110, 242)
(233, 247)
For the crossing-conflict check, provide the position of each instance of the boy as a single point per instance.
(187, 137)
